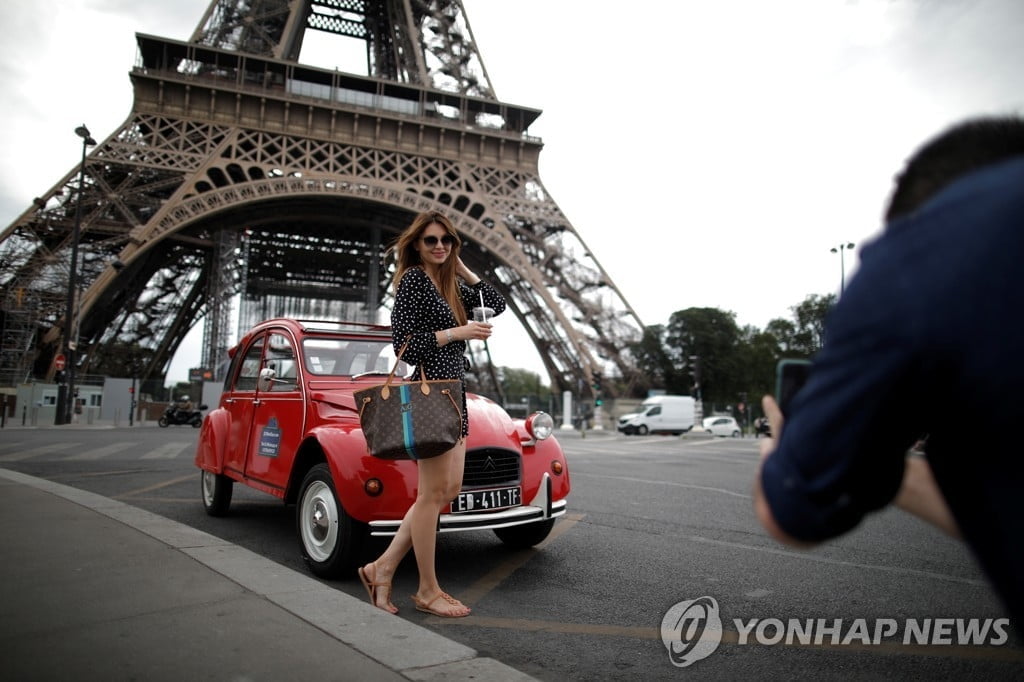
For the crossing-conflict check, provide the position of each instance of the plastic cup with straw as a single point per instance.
(481, 313)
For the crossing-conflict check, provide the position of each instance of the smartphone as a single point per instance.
(790, 376)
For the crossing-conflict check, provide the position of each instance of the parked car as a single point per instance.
(722, 426)
(287, 425)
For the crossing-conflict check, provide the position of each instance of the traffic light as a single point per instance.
(598, 398)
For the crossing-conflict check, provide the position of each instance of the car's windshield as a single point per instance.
(327, 356)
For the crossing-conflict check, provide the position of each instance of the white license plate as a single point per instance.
(487, 500)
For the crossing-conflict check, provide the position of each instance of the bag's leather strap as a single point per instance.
(385, 392)
(451, 398)
(444, 391)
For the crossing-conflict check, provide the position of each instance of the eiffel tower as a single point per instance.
(243, 174)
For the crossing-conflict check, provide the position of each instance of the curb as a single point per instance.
(410, 650)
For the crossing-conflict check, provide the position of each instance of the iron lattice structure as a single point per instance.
(241, 171)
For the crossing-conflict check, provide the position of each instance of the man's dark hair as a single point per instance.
(962, 149)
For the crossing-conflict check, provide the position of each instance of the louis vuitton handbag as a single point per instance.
(410, 419)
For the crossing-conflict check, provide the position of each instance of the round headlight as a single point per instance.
(540, 425)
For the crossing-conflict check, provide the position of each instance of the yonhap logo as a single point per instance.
(691, 630)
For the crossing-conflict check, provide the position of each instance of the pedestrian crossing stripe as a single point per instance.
(35, 452)
(167, 451)
(105, 451)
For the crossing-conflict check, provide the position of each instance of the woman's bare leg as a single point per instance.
(383, 569)
(440, 479)
(437, 488)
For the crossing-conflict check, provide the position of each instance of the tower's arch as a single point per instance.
(241, 174)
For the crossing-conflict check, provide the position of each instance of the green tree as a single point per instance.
(522, 382)
(759, 354)
(783, 333)
(653, 361)
(731, 362)
(711, 336)
(810, 317)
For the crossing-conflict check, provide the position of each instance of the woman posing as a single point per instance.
(434, 292)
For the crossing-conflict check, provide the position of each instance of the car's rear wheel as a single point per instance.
(642, 430)
(735, 434)
(216, 492)
(527, 535)
(330, 539)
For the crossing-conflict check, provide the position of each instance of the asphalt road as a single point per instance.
(653, 522)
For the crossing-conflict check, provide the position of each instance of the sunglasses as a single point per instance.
(431, 240)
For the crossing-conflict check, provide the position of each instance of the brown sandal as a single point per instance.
(371, 590)
(425, 606)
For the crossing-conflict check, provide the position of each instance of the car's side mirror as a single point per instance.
(266, 379)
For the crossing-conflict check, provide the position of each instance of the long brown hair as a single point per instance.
(407, 256)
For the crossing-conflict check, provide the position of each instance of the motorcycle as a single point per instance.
(172, 415)
(762, 428)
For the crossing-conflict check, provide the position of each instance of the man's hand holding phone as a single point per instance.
(790, 376)
(775, 422)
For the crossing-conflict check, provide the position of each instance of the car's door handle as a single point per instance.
(256, 402)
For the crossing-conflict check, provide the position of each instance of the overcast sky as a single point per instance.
(709, 153)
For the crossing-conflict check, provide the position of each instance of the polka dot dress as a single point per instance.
(420, 311)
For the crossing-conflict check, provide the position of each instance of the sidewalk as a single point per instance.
(95, 589)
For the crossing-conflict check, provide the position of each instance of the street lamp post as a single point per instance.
(66, 392)
(842, 264)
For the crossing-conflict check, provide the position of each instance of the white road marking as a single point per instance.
(804, 556)
(168, 450)
(668, 483)
(35, 452)
(105, 451)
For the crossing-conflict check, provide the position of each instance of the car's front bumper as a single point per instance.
(540, 508)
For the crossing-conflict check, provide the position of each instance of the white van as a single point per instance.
(660, 414)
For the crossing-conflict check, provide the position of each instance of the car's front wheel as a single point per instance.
(527, 535)
(330, 538)
(216, 490)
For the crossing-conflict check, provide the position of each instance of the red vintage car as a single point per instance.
(287, 425)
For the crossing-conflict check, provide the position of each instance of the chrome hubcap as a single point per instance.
(319, 525)
(320, 528)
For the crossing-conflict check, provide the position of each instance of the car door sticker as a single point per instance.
(270, 439)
